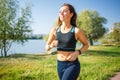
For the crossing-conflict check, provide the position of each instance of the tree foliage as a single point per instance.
(14, 24)
(115, 33)
(92, 23)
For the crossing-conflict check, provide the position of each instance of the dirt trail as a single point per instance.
(116, 77)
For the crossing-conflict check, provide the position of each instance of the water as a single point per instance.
(96, 43)
(30, 47)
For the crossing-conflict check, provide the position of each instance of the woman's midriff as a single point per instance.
(62, 55)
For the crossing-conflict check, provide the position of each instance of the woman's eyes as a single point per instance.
(64, 11)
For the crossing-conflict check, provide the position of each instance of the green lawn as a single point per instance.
(98, 63)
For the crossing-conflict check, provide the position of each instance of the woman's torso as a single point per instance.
(66, 45)
(62, 55)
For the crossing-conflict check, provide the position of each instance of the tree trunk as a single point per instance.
(4, 51)
(1, 51)
(4, 43)
(90, 40)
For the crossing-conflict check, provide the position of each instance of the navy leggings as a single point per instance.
(68, 70)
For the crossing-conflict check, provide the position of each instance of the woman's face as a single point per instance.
(65, 14)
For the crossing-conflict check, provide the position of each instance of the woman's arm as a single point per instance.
(50, 41)
(80, 36)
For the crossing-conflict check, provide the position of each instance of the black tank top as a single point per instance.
(66, 41)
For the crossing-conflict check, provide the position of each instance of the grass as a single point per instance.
(98, 63)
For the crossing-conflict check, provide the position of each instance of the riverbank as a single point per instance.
(98, 63)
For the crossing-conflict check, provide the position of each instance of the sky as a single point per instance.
(45, 12)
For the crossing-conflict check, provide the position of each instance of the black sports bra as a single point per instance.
(66, 41)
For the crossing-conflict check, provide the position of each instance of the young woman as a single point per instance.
(64, 38)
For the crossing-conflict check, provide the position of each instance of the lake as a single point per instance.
(29, 47)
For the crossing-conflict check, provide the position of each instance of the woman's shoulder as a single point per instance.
(54, 28)
(78, 30)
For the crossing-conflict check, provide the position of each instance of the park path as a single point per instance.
(116, 77)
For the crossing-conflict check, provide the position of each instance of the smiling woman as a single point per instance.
(65, 37)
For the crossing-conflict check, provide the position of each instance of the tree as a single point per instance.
(115, 33)
(14, 26)
(92, 24)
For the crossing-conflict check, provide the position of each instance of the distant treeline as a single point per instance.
(36, 36)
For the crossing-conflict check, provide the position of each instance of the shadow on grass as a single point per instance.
(28, 56)
(102, 53)
(31, 56)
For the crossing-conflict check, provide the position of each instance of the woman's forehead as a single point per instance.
(64, 8)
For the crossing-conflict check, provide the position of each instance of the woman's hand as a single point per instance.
(47, 47)
(73, 56)
(54, 44)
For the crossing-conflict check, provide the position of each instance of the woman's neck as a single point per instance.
(66, 25)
